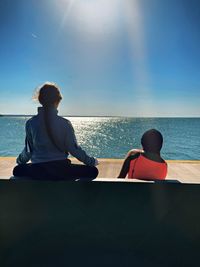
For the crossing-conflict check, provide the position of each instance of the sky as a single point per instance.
(109, 57)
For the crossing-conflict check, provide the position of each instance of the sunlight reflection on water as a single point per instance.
(112, 137)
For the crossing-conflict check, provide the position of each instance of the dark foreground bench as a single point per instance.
(99, 224)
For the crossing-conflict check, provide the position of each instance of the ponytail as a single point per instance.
(49, 128)
(49, 95)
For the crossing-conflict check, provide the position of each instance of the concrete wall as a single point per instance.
(99, 224)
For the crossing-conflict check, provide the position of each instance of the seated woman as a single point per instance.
(49, 140)
(146, 164)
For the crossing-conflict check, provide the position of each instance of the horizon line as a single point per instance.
(105, 116)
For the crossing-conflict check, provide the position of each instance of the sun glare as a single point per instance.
(92, 16)
(99, 22)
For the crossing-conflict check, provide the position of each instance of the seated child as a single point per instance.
(146, 164)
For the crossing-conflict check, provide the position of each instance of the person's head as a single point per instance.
(152, 141)
(49, 95)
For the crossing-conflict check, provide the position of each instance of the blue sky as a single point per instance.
(109, 57)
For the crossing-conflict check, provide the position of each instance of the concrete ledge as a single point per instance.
(113, 180)
(185, 171)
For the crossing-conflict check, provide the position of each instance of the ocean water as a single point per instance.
(112, 137)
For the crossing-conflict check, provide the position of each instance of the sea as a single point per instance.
(113, 137)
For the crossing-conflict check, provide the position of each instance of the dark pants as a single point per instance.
(56, 170)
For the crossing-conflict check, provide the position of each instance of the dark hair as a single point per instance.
(152, 141)
(49, 94)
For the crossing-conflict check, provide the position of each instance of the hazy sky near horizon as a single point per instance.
(109, 57)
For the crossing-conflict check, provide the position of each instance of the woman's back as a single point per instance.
(40, 143)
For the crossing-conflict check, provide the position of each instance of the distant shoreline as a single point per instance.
(105, 116)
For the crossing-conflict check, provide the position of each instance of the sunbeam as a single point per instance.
(136, 31)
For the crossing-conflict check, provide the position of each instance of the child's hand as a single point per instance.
(96, 162)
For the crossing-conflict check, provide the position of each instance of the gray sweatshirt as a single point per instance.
(39, 147)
